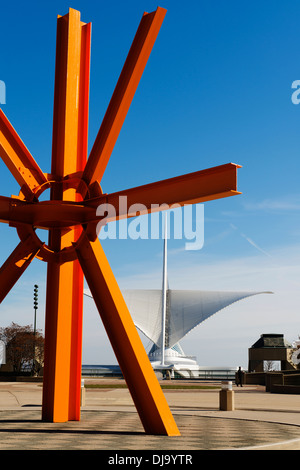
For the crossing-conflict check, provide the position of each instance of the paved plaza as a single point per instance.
(109, 421)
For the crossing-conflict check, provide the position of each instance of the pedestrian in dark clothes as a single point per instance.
(239, 377)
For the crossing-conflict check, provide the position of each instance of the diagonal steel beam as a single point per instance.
(131, 355)
(123, 94)
(18, 159)
(16, 264)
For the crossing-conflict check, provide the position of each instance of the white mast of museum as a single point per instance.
(164, 295)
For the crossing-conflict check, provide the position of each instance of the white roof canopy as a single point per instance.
(185, 310)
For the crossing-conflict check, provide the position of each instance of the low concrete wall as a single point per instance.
(254, 378)
(291, 379)
(16, 378)
(285, 389)
(275, 382)
(273, 378)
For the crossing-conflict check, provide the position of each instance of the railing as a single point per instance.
(217, 374)
(98, 370)
(182, 374)
(207, 374)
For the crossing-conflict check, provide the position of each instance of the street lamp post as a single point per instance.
(35, 305)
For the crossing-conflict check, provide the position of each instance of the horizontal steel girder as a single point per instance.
(201, 186)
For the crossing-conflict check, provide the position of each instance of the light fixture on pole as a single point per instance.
(35, 305)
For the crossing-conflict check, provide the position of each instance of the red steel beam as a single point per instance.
(18, 159)
(7, 205)
(78, 278)
(123, 94)
(63, 331)
(192, 188)
(16, 264)
(127, 345)
(45, 214)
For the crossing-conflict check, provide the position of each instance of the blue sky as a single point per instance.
(216, 89)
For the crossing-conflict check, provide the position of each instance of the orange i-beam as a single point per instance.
(64, 302)
(70, 217)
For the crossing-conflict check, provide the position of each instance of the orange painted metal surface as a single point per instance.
(129, 350)
(16, 264)
(70, 216)
(201, 186)
(18, 159)
(64, 302)
(123, 94)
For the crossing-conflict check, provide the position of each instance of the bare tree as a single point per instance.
(270, 366)
(24, 348)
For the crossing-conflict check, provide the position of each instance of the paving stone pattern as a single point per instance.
(118, 430)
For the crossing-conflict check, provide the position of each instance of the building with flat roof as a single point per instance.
(271, 347)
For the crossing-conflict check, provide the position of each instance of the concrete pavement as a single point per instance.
(109, 421)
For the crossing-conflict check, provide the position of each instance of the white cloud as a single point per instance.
(286, 203)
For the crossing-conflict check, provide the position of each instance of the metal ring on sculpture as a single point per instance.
(68, 253)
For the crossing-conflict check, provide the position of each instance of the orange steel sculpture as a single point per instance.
(73, 250)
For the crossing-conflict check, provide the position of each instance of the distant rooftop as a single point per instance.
(271, 340)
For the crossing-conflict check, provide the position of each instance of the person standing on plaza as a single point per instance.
(239, 376)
